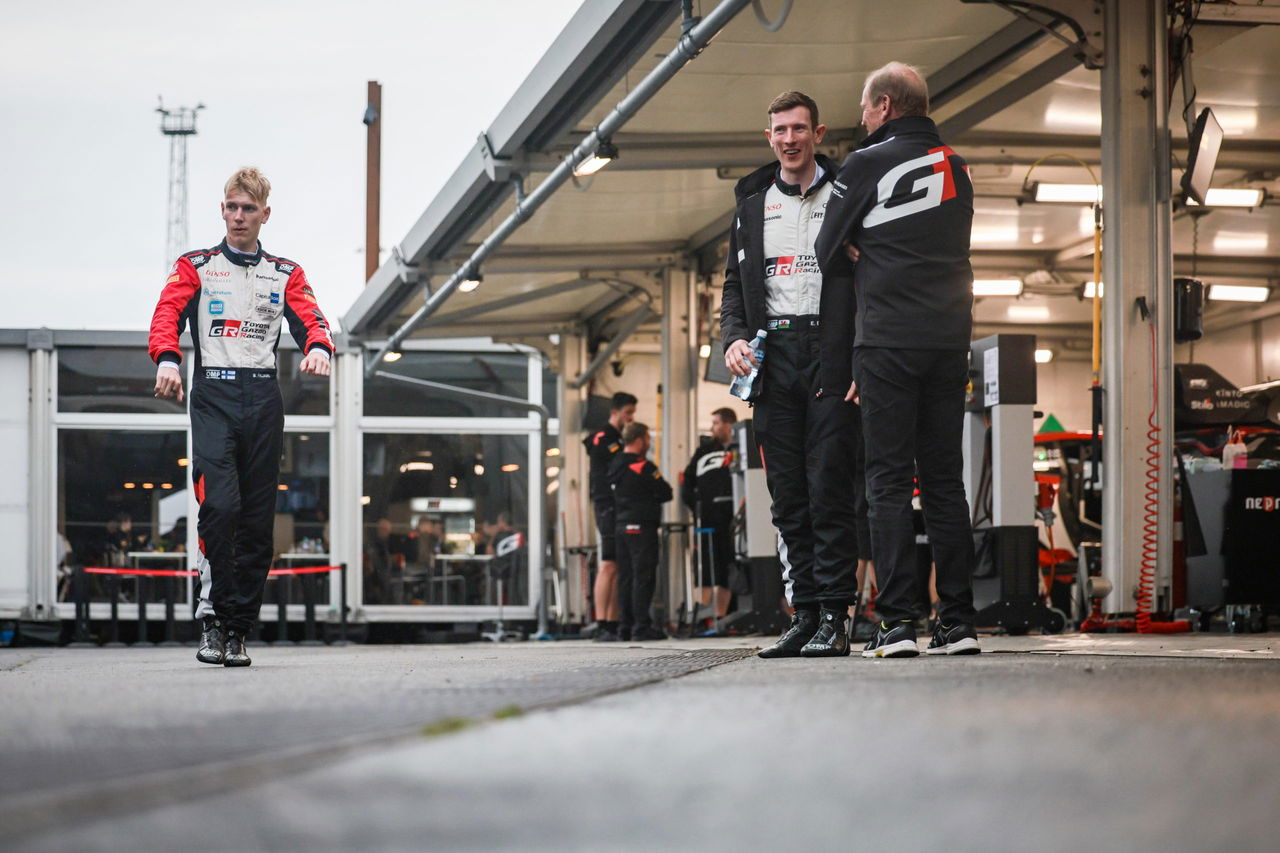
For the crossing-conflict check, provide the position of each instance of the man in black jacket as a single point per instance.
(904, 202)
(706, 487)
(603, 447)
(805, 426)
(639, 493)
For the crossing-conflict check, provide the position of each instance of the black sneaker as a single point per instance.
(957, 639)
(236, 655)
(896, 641)
(605, 636)
(649, 633)
(213, 642)
(804, 624)
(831, 639)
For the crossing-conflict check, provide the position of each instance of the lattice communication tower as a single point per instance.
(177, 124)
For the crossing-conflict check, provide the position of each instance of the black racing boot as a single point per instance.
(236, 655)
(213, 642)
(804, 624)
(831, 639)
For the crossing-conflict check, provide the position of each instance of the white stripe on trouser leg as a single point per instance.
(788, 583)
(205, 607)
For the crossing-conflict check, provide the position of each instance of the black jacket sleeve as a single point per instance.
(689, 484)
(661, 488)
(847, 207)
(733, 311)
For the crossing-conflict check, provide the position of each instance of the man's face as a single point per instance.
(384, 528)
(721, 431)
(643, 444)
(627, 414)
(874, 114)
(793, 138)
(244, 218)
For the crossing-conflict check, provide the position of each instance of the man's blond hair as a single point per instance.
(249, 180)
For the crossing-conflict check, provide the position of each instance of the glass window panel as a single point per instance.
(302, 518)
(551, 391)
(505, 373)
(110, 379)
(435, 509)
(122, 502)
(303, 395)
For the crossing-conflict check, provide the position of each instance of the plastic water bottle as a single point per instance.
(741, 386)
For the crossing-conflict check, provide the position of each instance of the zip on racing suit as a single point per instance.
(235, 304)
(906, 201)
(805, 429)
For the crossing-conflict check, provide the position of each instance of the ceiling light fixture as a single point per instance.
(704, 351)
(606, 153)
(1044, 355)
(1067, 193)
(471, 282)
(1091, 286)
(997, 287)
(1232, 197)
(392, 356)
(1238, 293)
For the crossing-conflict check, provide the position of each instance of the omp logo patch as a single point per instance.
(225, 329)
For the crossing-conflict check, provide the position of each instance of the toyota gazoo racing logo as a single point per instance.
(924, 193)
(1267, 503)
(225, 329)
(790, 265)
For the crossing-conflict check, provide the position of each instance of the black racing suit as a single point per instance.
(603, 447)
(805, 429)
(235, 305)
(906, 201)
(706, 487)
(639, 492)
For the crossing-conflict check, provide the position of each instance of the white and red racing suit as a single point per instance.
(235, 305)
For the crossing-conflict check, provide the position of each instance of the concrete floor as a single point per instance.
(1055, 743)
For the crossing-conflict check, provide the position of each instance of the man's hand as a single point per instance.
(852, 251)
(852, 395)
(739, 358)
(315, 364)
(168, 383)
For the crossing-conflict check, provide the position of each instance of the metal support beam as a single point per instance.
(679, 385)
(1136, 246)
(1009, 94)
(989, 56)
(511, 301)
(689, 46)
(633, 321)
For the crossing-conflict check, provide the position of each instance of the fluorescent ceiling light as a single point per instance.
(606, 153)
(1091, 286)
(997, 287)
(510, 467)
(1044, 356)
(1229, 197)
(469, 285)
(988, 234)
(417, 466)
(1238, 293)
(392, 356)
(1069, 193)
(1232, 241)
(1028, 313)
(553, 471)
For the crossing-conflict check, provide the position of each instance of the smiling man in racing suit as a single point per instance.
(235, 297)
(804, 424)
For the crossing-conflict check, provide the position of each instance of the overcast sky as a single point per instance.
(284, 84)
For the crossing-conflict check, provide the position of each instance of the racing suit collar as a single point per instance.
(904, 124)
(819, 178)
(239, 258)
(761, 179)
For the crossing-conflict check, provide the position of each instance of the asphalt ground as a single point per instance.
(1054, 744)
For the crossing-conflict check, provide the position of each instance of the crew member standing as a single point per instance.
(236, 297)
(639, 492)
(603, 447)
(706, 487)
(803, 422)
(904, 201)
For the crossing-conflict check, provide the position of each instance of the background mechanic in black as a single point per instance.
(236, 298)
(603, 446)
(706, 487)
(805, 426)
(639, 491)
(904, 201)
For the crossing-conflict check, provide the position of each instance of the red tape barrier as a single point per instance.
(188, 573)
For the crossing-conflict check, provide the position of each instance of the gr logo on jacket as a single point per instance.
(706, 485)
(906, 201)
(236, 306)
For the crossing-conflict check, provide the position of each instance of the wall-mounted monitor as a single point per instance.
(1206, 140)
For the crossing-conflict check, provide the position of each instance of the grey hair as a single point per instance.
(905, 86)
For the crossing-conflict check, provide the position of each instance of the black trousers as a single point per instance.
(807, 435)
(637, 573)
(913, 422)
(237, 426)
